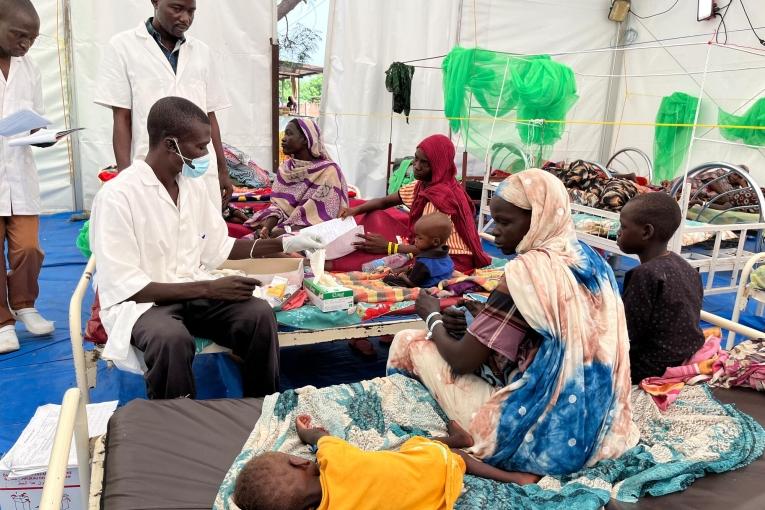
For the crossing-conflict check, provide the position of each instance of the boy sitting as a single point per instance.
(424, 473)
(663, 295)
(432, 262)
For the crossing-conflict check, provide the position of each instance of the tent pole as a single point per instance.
(70, 114)
(274, 105)
(612, 93)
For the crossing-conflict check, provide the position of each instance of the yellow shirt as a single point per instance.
(423, 475)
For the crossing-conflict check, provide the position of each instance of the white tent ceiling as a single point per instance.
(366, 38)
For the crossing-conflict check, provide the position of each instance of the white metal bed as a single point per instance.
(721, 264)
(85, 361)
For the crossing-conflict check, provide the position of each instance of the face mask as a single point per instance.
(196, 167)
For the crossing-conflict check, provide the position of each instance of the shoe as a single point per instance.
(9, 342)
(34, 322)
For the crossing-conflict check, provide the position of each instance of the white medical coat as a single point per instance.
(19, 184)
(134, 74)
(140, 236)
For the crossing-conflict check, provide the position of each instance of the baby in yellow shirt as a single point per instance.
(423, 475)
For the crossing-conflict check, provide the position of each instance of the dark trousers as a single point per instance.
(166, 334)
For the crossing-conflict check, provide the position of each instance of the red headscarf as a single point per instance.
(447, 195)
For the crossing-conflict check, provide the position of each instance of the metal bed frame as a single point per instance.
(85, 361)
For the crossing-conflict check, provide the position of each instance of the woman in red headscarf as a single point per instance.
(435, 190)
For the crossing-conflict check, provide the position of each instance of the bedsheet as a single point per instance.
(170, 454)
(698, 435)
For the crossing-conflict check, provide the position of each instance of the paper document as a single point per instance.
(338, 235)
(42, 138)
(32, 450)
(21, 122)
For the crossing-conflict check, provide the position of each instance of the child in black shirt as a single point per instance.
(663, 295)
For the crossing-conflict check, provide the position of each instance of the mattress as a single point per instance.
(608, 228)
(174, 454)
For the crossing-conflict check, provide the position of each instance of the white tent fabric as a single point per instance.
(734, 91)
(364, 39)
(239, 33)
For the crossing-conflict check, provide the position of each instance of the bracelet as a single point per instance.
(395, 248)
(253, 246)
(390, 248)
(430, 316)
(430, 331)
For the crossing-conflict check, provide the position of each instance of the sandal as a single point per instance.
(363, 347)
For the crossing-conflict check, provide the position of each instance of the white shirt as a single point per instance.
(140, 236)
(19, 185)
(134, 74)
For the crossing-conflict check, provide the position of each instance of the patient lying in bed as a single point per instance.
(432, 262)
(424, 473)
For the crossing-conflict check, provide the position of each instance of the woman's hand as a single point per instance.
(426, 304)
(474, 307)
(265, 232)
(347, 212)
(372, 243)
(454, 322)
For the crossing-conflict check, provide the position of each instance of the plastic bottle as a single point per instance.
(392, 261)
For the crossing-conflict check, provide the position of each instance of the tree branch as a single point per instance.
(285, 6)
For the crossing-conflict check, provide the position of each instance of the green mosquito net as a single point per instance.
(670, 144)
(754, 118)
(529, 95)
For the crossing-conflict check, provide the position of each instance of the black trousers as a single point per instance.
(166, 334)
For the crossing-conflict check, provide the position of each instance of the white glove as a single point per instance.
(301, 242)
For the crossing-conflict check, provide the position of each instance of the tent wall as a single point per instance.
(640, 96)
(53, 164)
(364, 37)
(239, 33)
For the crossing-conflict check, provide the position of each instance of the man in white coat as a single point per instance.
(155, 60)
(156, 236)
(20, 89)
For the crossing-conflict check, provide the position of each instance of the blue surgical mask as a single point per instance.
(193, 168)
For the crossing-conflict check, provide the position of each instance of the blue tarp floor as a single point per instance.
(42, 370)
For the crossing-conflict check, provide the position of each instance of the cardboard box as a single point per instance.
(328, 299)
(265, 269)
(25, 493)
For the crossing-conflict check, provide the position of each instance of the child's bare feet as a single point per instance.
(457, 438)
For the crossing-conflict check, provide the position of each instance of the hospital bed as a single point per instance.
(85, 361)
(172, 454)
(716, 243)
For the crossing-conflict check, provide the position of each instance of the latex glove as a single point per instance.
(301, 242)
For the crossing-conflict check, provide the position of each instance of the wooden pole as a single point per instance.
(274, 105)
(464, 169)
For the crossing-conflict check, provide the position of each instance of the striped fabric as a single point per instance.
(455, 243)
(369, 288)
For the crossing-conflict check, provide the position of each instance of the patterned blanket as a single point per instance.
(697, 435)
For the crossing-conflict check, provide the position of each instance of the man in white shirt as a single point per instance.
(20, 89)
(155, 60)
(155, 235)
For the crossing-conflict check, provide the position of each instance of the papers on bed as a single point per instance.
(42, 138)
(32, 450)
(22, 121)
(338, 236)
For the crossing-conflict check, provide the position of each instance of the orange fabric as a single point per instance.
(423, 475)
(455, 243)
